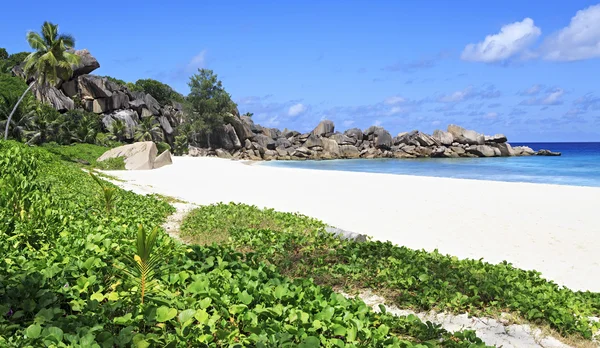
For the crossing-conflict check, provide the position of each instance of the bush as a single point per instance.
(12, 85)
(162, 147)
(412, 279)
(163, 93)
(76, 285)
(116, 163)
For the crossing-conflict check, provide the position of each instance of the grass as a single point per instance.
(214, 223)
(299, 247)
(85, 155)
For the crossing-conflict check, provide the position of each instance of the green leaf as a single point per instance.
(33, 331)
(424, 277)
(54, 332)
(310, 342)
(326, 314)
(186, 315)
(245, 298)
(165, 314)
(201, 316)
(98, 296)
(338, 330)
(280, 291)
(205, 303)
(123, 320)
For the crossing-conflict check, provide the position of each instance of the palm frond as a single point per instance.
(36, 41)
(49, 31)
(67, 40)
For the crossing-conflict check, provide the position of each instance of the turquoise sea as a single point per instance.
(579, 165)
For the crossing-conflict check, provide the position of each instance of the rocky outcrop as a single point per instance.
(87, 63)
(523, 151)
(164, 159)
(544, 152)
(375, 142)
(465, 136)
(324, 128)
(444, 138)
(128, 117)
(481, 150)
(137, 156)
(113, 101)
(55, 97)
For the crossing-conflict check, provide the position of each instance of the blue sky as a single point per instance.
(524, 68)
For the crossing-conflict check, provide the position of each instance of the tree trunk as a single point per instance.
(15, 109)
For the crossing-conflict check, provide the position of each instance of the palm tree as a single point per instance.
(49, 125)
(22, 121)
(118, 129)
(147, 130)
(49, 62)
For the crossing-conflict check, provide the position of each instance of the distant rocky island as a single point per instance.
(244, 140)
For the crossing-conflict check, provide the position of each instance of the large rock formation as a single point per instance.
(54, 97)
(465, 136)
(113, 101)
(137, 156)
(262, 143)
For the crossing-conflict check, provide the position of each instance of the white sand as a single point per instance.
(552, 229)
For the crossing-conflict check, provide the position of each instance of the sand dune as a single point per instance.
(552, 229)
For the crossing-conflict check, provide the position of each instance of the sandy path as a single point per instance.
(549, 228)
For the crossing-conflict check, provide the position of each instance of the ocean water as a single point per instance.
(579, 165)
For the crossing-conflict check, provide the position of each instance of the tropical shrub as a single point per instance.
(161, 146)
(62, 281)
(163, 93)
(299, 247)
(181, 145)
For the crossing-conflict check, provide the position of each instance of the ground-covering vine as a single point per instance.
(64, 278)
(300, 247)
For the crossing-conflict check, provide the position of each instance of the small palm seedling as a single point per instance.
(109, 194)
(145, 262)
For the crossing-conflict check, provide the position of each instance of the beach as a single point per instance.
(548, 228)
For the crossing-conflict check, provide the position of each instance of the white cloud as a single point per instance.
(533, 90)
(512, 39)
(456, 96)
(296, 109)
(197, 62)
(396, 99)
(579, 40)
(396, 110)
(554, 97)
(377, 123)
(491, 115)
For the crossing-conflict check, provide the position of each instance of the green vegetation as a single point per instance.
(86, 155)
(67, 277)
(211, 106)
(299, 247)
(49, 62)
(163, 93)
(205, 109)
(148, 130)
(8, 61)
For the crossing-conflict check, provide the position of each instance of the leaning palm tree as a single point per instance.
(148, 130)
(49, 62)
(21, 124)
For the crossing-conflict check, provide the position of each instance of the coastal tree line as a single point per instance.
(51, 60)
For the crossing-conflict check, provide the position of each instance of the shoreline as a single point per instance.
(546, 227)
(268, 163)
